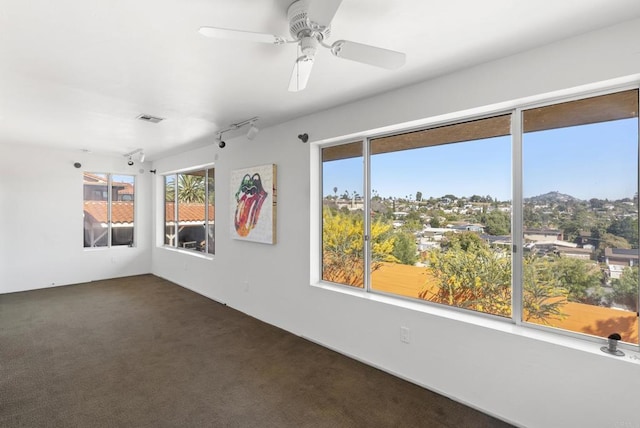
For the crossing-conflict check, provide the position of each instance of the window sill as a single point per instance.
(113, 247)
(590, 346)
(189, 252)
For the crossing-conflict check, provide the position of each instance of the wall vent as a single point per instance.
(150, 118)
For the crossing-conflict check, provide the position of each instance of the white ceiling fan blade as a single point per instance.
(322, 11)
(248, 36)
(371, 55)
(301, 72)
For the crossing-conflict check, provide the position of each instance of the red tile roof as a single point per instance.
(187, 211)
(122, 212)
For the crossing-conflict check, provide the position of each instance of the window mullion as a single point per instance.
(175, 211)
(366, 213)
(109, 201)
(206, 211)
(517, 280)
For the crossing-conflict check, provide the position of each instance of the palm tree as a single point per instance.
(191, 188)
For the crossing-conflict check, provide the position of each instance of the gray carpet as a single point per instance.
(144, 352)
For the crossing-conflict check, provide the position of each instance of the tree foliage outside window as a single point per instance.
(460, 245)
(343, 243)
(189, 210)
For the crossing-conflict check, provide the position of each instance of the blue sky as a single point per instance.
(589, 161)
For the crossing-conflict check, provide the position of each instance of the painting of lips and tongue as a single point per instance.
(253, 204)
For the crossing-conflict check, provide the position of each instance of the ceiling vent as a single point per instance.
(149, 118)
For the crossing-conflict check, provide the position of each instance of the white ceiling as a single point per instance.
(75, 74)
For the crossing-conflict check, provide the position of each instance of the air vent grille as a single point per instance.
(150, 118)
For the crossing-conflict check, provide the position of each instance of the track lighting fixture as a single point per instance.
(253, 131)
(129, 155)
(221, 143)
(251, 134)
(304, 137)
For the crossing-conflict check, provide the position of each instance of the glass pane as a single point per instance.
(95, 210)
(211, 214)
(169, 210)
(441, 215)
(122, 209)
(191, 210)
(343, 215)
(580, 172)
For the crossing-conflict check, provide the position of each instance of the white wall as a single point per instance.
(42, 224)
(525, 377)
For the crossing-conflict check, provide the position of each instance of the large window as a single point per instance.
(531, 215)
(108, 209)
(190, 210)
(580, 222)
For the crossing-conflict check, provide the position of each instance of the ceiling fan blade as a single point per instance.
(301, 72)
(248, 36)
(322, 11)
(371, 55)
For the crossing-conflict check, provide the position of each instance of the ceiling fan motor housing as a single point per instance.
(299, 24)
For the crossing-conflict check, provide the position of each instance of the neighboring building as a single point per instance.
(546, 235)
(617, 259)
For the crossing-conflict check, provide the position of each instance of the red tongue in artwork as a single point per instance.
(249, 199)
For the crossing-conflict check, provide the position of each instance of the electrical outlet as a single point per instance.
(404, 335)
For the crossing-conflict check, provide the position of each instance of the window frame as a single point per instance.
(515, 110)
(109, 195)
(207, 222)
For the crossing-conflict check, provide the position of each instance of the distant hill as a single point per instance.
(551, 197)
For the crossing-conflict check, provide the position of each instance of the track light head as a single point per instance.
(253, 131)
(142, 157)
(221, 144)
(304, 137)
(130, 162)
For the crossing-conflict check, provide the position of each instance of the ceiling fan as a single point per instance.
(310, 26)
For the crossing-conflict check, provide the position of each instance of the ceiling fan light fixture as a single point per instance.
(301, 72)
(309, 26)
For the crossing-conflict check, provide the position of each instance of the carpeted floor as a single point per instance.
(144, 352)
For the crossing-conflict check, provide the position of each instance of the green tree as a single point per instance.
(475, 278)
(471, 275)
(191, 188)
(608, 240)
(404, 248)
(579, 277)
(497, 223)
(543, 297)
(627, 228)
(343, 244)
(465, 241)
(625, 289)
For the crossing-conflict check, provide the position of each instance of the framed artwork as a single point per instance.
(253, 204)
